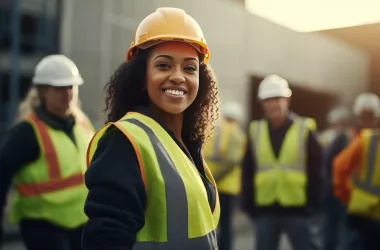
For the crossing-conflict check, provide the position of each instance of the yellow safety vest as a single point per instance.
(82, 120)
(52, 187)
(177, 213)
(215, 150)
(365, 195)
(282, 180)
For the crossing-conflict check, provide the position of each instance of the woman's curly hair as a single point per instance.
(126, 90)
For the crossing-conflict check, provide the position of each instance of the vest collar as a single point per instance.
(289, 120)
(145, 111)
(53, 121)
(194, 148)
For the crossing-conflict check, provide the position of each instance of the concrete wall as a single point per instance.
(96, 34)
(375, 74)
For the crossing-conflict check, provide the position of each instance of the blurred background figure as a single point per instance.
(43, 156)
(337, 120)
(32, 101)
(223, 154)
(281, 171)
(357, 186)
(366, 110)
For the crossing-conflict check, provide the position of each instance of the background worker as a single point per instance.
(43, 156)
(366, 110)
(357, 185)
(281, 170)
(32, 101)
(223, 154)
(337, 119)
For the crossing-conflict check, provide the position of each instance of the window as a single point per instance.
(39, 28)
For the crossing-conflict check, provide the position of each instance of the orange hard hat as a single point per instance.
(168, 24)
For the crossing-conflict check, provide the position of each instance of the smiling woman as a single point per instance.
(149, 187)
(168, 67)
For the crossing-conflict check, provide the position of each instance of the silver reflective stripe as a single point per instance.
(301, 148)
(366, 185)
(176, 205)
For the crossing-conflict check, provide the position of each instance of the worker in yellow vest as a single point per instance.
(366, 111)
(223, 154)
(149, 186)
(43, 156)
(281, 174)
(357, 185)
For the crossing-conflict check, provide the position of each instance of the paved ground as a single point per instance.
(243, 238)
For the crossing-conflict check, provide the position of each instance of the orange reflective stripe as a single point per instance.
(47, 148)
(35, 189)
(55, 182)
(137, 151)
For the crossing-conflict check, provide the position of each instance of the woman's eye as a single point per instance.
(190, 68)
(163, 66)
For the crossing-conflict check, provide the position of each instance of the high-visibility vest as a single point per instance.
(217, 147)
(52, 187)
(365, 194)
(282, 180)
(83, 121)
(177, 213)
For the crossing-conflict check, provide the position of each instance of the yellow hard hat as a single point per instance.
(168, 24)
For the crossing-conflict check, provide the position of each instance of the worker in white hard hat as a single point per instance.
(337, 120)
(223, 154)
(44, 157)
(332, 212)
(281, 171)
(356, 184)
(357, 164)
(366, 110)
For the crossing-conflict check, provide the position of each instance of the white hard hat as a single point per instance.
(58, 71)
(367, 101)
(274, 86)
(338, 114)
(232, 110)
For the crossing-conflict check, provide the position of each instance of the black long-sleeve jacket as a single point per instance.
(116, 201)
(20, 147)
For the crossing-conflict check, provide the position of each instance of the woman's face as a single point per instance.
(172, 76)
(57, 99)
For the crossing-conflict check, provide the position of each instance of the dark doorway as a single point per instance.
(305, 102)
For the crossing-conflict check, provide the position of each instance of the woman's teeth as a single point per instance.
(174, 92)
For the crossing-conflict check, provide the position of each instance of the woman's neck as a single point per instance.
(61, 115)
(173, 122)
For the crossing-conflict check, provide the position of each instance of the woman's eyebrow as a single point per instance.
(165, 56)
(171, 58)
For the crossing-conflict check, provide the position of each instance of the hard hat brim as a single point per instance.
(274, 94)
(155, 42)
(74, 81)
(199, 46)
